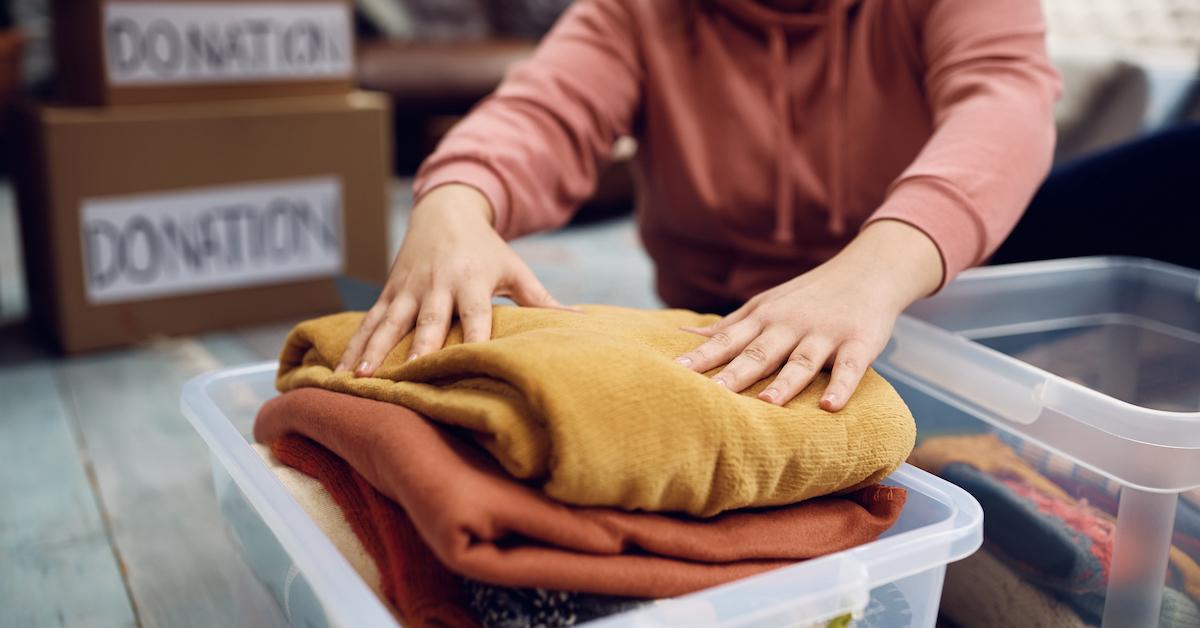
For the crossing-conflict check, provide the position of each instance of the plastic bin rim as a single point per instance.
(1189, 419)
(886, 560)
(1132, 422)
(1094, 262)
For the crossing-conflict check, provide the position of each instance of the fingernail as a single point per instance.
(829, 399)
(720, 382)
(411, 357)
(769, 394)
(364, 367)
(684, 361)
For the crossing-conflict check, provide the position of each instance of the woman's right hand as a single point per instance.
(452, 260)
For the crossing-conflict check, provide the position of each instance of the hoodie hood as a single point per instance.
(777, 19)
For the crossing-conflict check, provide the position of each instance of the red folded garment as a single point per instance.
(484, 525)
(420, 588)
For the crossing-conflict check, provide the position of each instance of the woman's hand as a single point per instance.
(452, 260)
(839, 314)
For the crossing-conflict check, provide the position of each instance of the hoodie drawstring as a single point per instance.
(838, 91)
(777, 27)
(784, 218)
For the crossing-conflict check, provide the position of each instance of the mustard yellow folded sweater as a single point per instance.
(593, 407)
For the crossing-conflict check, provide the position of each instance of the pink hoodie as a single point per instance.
(770, 131)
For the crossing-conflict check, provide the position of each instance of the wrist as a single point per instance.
(898, 260)
(457, 202)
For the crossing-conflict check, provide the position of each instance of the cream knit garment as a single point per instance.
(319, 504)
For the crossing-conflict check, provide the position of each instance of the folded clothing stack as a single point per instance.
(571, 455)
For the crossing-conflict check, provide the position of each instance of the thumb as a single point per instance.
(525, 290)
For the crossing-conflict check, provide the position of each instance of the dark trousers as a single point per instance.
(1139, 199)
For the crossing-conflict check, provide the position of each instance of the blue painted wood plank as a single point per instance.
(152, 472)
(57, 567)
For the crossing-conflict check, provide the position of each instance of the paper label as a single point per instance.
(208, 239)
(223, 42)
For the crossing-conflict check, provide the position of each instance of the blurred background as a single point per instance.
(92, 360)
(1128, 68)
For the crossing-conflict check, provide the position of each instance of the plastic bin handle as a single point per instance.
(963, 373)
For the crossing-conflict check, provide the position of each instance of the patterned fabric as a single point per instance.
(1041, 547)
(1065, 547)
(1103, 492)
(505, 607)
(1098, 489)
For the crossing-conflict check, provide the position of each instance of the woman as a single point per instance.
(817, 165)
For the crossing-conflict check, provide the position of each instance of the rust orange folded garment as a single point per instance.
(593, 408)
(484, 525)
(424, 593)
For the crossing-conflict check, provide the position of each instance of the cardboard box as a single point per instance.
(175, 219)
(119, 52)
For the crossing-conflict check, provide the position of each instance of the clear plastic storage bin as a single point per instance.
(895, 581)
(1094, 360)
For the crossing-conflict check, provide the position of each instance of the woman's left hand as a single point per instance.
(839, 314)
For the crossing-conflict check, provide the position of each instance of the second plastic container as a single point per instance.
(1093, 363)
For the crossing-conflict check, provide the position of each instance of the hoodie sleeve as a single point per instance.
(535, 147)
(992, 91)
